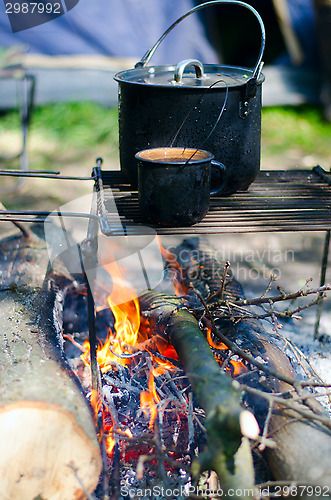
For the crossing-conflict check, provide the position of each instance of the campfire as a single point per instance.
(154, 422)
(168, 391)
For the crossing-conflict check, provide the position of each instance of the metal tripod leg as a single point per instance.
(26, 98)
(28, 87)
(324, 266)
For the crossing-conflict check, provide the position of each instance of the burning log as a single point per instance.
(48, 440)
(297, 424)
(213, 389)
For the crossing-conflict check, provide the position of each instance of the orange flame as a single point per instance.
(149, 399)
(213, 344)
(110, 442)
(122, 344)
(95, 403)
(119, 345)
(125, 306)
(148, 402)
(238, 367)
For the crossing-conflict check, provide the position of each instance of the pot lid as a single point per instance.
(189, 73)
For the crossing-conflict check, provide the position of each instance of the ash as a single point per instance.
(314, 353)
(148, 422)
(317, 351)
(131, 489)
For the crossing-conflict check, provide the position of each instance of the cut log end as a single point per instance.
(48, 442)
(50, 455)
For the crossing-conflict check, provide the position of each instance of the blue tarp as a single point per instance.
(128, 28)
(118, 28)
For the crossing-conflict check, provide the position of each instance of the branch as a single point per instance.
(289, 403)
(277, 298)
(236, 350)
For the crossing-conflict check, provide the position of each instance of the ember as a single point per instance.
(144, 394)
(149, 419)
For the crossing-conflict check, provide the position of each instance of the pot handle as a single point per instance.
(181, 67)
(224, 175)
(258, 67)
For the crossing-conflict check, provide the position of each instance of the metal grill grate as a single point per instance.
(298, 200)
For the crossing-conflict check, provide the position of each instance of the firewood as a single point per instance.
(302, 451)
(48, 441)
(213, 389)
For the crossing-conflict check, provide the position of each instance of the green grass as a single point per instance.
(65, 136)
(70, 136)
(87, 126)
(301, 127)
(78, 125)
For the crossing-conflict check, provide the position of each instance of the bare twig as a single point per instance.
(236, 350)
(272, 279)
(71, 337)
(263, 443)
(115, 477)
(309, 280)
(114, 382)
(220, 292)
(164, 358)
(175, 389)
(26, 232)
(289, 403)
(278, 298)
(306, 383)
(105, 475)
(190, 424)
(240, 306)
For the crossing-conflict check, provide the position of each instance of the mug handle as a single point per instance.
(224, 175)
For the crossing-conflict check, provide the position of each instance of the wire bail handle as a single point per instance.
(259, 64)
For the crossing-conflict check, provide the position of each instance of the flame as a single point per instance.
(95, 403)
(124, 305)
(238, 367)
(121, 347)
(110, 443)
(149, 400)
(212, 343)
(127, 323)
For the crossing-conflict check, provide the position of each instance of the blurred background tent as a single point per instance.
(124, 28)
(76, 55)
(95, 39)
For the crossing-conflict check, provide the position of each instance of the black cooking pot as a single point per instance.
(162, 106)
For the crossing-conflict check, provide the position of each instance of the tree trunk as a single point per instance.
(48, 440)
